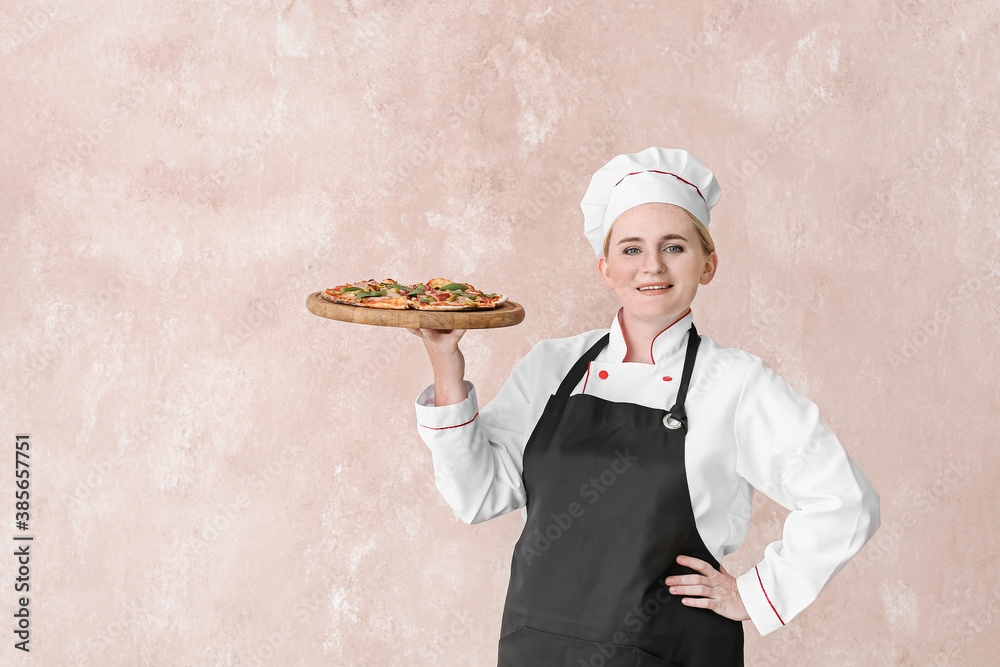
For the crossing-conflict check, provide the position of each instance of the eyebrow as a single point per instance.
(665, 237)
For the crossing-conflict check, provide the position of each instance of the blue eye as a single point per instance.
(674, 249)
(626, 250)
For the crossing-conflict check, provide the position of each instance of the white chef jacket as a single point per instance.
(746, 428)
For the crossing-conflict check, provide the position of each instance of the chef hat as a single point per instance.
(668, 175)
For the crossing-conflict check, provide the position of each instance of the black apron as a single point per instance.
(609, 511)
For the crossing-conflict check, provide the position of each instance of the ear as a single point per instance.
(711, 264)
(602, 267)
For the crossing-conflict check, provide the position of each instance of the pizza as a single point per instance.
(436, 294)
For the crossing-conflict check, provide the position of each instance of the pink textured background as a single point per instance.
(222, 478)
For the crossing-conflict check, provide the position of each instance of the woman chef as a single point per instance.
(634, 450)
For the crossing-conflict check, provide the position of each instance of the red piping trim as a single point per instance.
(765, 595)
(621, 327)
(657, 171)
(442, 428)
(651, 359)
(584, 390)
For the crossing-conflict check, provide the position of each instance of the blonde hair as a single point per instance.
(707, 244)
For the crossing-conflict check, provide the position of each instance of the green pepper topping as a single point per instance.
(425, 299)
(352, 288)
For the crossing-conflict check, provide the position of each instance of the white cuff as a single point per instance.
(439, 417)
(752, 587)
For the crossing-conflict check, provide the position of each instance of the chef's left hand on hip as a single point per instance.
(713, 589)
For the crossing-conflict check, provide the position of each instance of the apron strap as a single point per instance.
(580, 367)
(677, 412)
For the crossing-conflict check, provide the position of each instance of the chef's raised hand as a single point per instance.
(712, 589)
(448, 363)
(440, 337)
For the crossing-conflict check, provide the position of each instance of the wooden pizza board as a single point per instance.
(505, 315)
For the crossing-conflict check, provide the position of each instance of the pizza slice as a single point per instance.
(347, 293)
(384, 294)
(442, 294)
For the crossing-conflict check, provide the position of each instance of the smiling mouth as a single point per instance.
(657, 288)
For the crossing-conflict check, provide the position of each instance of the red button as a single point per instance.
(667, 378)
(603, 375)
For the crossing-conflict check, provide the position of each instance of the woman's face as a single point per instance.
(656, 246)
